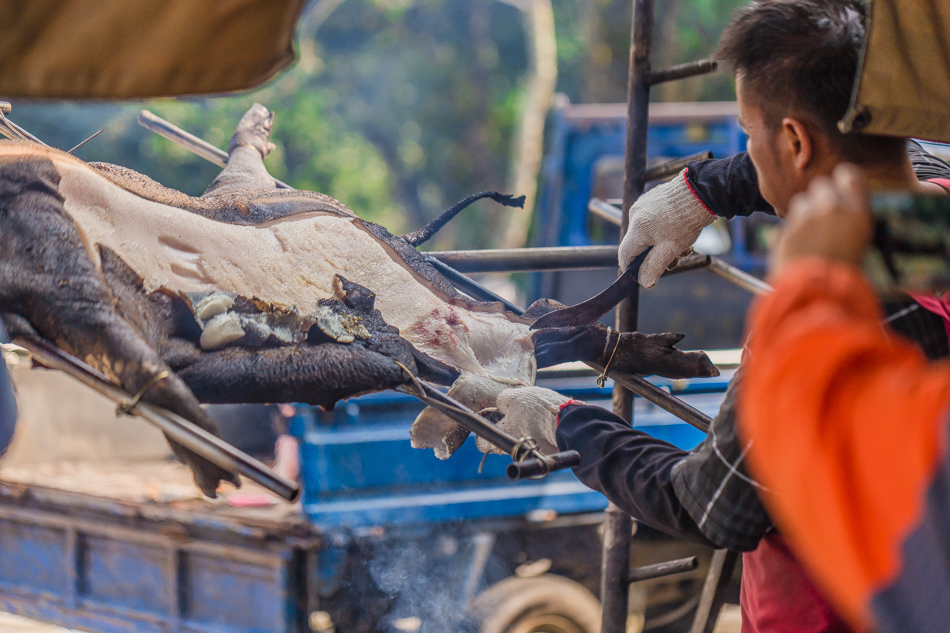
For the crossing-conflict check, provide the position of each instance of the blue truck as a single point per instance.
(388, 538)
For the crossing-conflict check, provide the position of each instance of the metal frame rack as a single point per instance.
(618, 527)
(616, 574)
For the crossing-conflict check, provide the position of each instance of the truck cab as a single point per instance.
(585, 161)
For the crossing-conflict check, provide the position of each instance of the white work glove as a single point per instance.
(529, 412)
(669, 218)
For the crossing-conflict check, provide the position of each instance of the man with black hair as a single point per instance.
(794, 62)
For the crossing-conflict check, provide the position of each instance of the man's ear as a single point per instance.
(799, 142)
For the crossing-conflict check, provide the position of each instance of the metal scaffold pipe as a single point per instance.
(618, 526)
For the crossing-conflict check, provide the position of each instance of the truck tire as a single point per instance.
(543, 604)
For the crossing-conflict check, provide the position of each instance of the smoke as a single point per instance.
(424, 580)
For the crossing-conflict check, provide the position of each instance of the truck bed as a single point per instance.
(133, 547)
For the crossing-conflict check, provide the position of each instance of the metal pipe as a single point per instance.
(189, 141)
(684, 71)
(470, 287)
(528, 259)
(663, 569)
(725, 270)
(605, 210)
(739, 277)
(175, 427)
(543, 465)
(528, 461)
(695, 261)
(670, 403)
(618, 525)
(637, 384)
(674, 166)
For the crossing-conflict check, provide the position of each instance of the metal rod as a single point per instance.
(674, 166)
(725, 270)
(175, 427)
(189, 141)
(739, 277)
(5, 107)
(713, 593)
(636, 384)
(605, 210)
(663, 569)
(529, 461)
(683, 71)
(470, 287)
(695, 261)
(528, 259)
(13, 131)
(81, 143)
(618, 525)
(542, 466)
(669, 403)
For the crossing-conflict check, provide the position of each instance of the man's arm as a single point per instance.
(849, 423)
(632, 469)
(671, 216)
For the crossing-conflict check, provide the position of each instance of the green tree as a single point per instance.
(399, 108)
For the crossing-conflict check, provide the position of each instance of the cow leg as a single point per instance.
(246, 151)
(47, 277)
(630, 352)
(315, 374)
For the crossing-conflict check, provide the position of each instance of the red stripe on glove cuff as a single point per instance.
(561, 408)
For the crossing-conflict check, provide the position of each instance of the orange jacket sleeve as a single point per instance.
(847, 425)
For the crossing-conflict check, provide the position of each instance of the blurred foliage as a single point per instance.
(399, 108)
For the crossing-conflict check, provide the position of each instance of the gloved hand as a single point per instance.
(528, 412)
(669, 218)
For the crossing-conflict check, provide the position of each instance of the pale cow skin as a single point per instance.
(256, 294)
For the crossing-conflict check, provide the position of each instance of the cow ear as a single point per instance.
(353, 295)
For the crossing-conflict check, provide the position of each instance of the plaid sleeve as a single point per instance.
(714, 486)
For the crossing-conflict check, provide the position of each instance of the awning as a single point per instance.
(122, 49)
(903, 86)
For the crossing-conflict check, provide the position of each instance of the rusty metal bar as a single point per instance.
(605, 210)
(14, 132)
(528, 461)
(618, 525)
(648, 391)
(695, 261)
(684, 71)
(528, 259)
(725, 270)
(674, 166)
(636, 384)
(663, 569)
(471, 287)
(713, 593)
(175, 427)
(739, 277)
(189, 141)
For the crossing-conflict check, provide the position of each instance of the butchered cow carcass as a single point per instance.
(252, 293)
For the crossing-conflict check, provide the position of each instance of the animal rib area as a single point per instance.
(290, 262)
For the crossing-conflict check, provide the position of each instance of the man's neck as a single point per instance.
(897, 177)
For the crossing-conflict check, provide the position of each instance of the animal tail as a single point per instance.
(420, 236)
